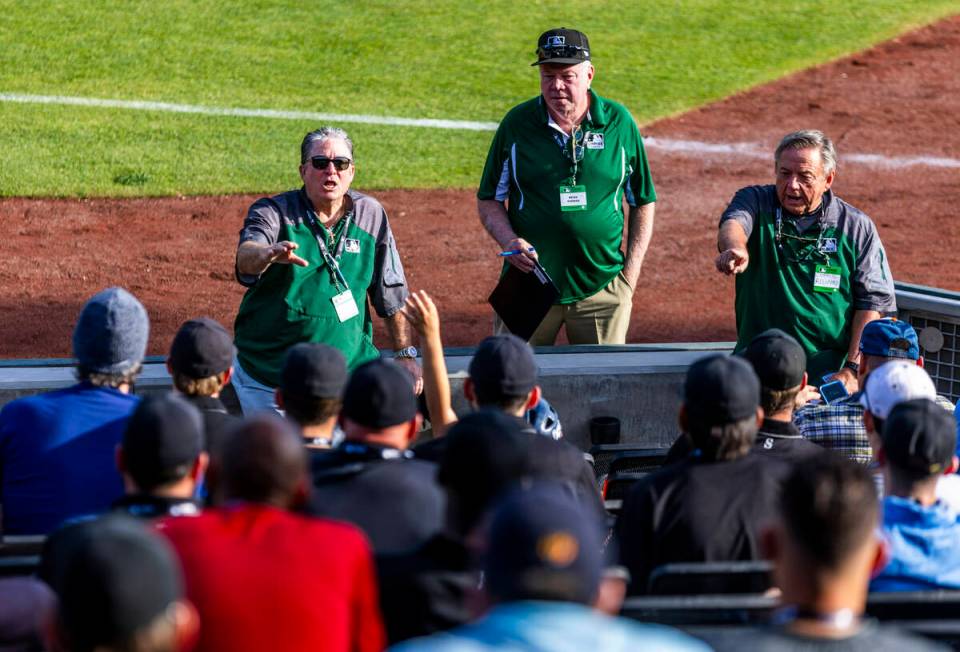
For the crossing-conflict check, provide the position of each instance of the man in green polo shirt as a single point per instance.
(805, 261)
(553, 187)
(311, 259)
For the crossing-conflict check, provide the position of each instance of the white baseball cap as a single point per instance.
(895, 382)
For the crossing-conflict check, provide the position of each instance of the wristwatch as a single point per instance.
(852, 366)
(406, 352)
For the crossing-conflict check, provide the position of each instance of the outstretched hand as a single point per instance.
(732, 261)
(282, 252)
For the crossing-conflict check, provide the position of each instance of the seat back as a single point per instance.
(644, 459)
(699, 578)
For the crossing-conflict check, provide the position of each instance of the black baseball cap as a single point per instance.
(543, 545)
(777, 358)
(721, 389)
(503, 365)
(562, 46)
(112, 577)
(921, 436)
(201, 348)
(380, 394)
(313, 370)
(163, 438)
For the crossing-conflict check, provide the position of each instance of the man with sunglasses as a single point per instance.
(311, 258)
(552, 191)
(805, 261)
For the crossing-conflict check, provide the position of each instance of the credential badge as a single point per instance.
(351, 246)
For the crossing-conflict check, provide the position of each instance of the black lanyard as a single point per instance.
(328, 259)
(817, 243)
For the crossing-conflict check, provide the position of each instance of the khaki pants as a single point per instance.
(600, 319)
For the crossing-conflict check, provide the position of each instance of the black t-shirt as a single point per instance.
(217, 422)
(871, 638)
(392, 497)
(782, 439)
(550, 459)
(698, 510)
(427, 590)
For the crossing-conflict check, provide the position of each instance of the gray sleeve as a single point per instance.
(872, 281)
(388, 288)
(262, 225)
(744, 207)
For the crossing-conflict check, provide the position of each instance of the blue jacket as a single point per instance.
(57, 456)
(553, 627)
(924, 547)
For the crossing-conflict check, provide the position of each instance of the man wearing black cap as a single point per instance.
(118, 588)
(371, 479)
(780, 364)
(57, 448)
(552, 190)
(503, 376)
(201, 364)
(311, 383)
(708, 507)
(161, 458)
(918, 447)
(430, 589)
(542, 574)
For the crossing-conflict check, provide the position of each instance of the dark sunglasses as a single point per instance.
(340, 163)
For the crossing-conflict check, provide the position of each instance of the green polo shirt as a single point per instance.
(288, 304)
(526, 167)
(777, 290)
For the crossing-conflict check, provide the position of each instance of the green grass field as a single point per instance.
(442, 59)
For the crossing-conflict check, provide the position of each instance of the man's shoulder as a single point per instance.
(872, 638)
(52, 403)
(351, 462)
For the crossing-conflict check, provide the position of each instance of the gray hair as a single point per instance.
(320, 135)
(808, 138)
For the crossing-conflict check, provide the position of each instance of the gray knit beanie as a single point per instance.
(111, 333)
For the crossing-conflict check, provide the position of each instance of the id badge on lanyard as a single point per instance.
(343, 302)
(573, 197)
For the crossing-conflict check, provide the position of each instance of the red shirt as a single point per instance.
(263, 578)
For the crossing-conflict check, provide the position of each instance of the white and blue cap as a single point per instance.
(111, 333)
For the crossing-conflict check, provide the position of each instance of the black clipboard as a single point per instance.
(522, 299)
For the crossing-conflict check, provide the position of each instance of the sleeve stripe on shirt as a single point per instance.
(513, 159)
(623, 177)
(503, 185)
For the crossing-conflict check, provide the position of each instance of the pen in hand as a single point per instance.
(514, 252)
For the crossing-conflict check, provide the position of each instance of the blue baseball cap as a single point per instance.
(890, 338)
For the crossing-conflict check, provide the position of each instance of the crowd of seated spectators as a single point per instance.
(339, 522)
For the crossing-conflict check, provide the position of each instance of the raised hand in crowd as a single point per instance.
(421, 312)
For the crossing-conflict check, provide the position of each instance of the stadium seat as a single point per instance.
(915, 605)
(699, 578)
(642, 459)
(683, 610)
(603, 455)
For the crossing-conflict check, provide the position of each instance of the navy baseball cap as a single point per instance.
(313, 370)
(721, 389)
(543, 545)
(380, 394)
(890, 338)
(777, 358)
(503, 365)
(201, 348)
(921, 436)
(562, 46)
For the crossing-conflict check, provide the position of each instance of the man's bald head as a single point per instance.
(264, 462)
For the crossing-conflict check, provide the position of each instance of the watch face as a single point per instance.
(408, 352)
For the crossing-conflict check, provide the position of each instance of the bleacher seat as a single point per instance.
(637, 460)
(699, 578)
(683, 610)
(603, 455)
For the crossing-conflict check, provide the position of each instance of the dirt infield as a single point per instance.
(900, 99)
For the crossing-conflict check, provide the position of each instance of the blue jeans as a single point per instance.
(254, 397)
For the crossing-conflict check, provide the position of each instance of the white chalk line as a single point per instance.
(676, 146)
